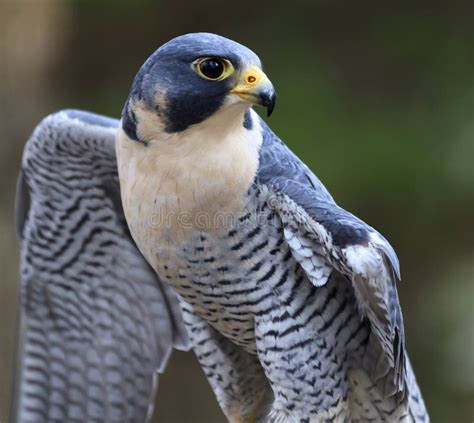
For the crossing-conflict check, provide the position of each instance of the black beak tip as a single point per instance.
(270, 102)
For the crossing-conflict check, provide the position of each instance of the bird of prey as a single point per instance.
(203, 230)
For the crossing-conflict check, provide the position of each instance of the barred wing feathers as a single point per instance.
(96, 323)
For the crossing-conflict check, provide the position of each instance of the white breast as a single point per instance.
(189, 181)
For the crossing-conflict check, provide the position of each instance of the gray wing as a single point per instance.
(96, 323)
(324, 238)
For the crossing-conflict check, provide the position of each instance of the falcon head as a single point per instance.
(188, 80)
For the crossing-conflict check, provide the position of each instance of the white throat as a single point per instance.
(178, 181)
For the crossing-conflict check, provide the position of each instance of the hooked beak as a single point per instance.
(255, 88)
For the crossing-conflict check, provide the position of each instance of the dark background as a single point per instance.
(376, 98)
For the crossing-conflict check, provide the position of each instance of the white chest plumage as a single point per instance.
(188, 181)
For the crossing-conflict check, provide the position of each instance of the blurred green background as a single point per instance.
(377, 98)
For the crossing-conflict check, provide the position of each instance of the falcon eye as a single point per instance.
(213, 68)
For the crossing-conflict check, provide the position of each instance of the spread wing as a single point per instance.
(324, 238)
(96, 323)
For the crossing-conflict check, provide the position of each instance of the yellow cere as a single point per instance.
(253, 75)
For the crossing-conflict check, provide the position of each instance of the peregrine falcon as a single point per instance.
(201, 230)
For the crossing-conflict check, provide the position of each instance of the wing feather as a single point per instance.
(340, 242)
(96, 323)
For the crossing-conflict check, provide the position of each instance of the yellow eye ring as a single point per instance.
(213, 68)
